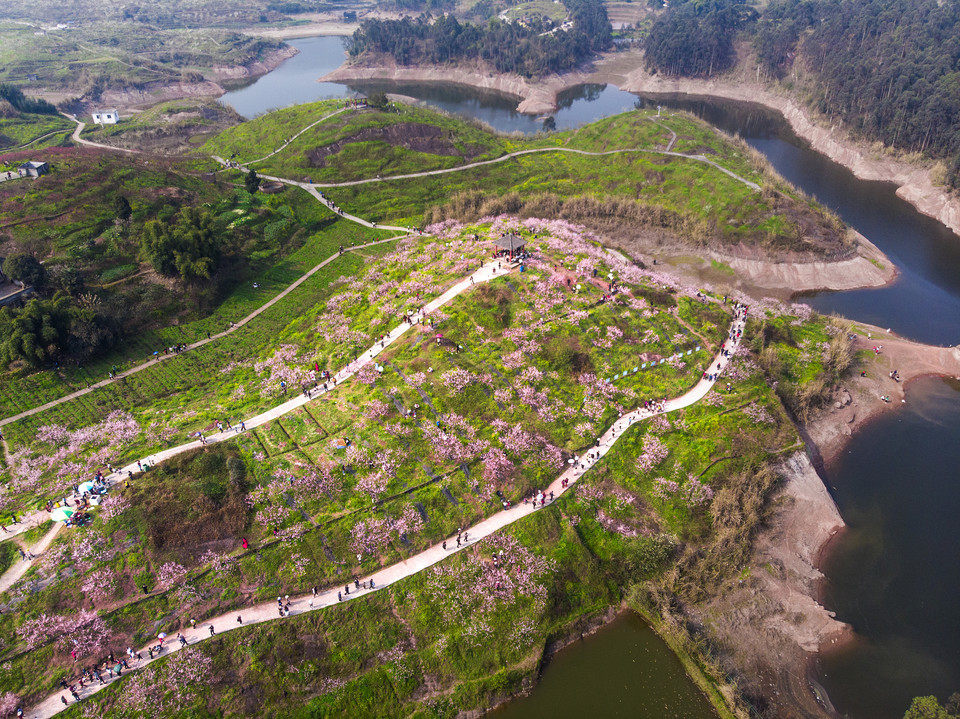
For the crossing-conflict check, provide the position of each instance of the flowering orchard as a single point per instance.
(482, 407)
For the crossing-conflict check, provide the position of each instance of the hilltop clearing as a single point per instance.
(481, 406)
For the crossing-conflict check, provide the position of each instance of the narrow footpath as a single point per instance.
(483, 274)
(199, 343)
(308, 127)
(19, 568)
(503, 158)
(80, 141)
(382, 578)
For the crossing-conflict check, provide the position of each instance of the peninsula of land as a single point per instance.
(626, 70)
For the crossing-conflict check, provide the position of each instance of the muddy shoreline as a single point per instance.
(625, 70)
(859, 399)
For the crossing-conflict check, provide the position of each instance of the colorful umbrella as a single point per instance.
(61, 514)
(85, 487)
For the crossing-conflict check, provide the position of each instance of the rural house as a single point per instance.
(35, 169)
(106, 117)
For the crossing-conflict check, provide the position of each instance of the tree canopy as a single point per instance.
(189, 249)
(696, 38)
(890, 69)
(14, 95)
(25, 268)
(531, 50)
(930, 708)
(44, 330)
(252, 181)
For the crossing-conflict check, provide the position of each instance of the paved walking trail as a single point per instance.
(20, 567)
(199, 343)
(437, 553)
(80, 141)
(485, 273)
(267, 611)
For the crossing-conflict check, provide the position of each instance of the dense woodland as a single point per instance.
(696, 38)
(21, 103)
(530, 50)
(889, 68)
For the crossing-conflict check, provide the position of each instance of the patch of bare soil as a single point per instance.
(859, 400)
(415, 136)
(752, 270)
(770, 626)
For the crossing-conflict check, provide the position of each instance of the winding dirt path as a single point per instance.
(12, 575)
(80, 141)
(673, 135)
(267, 611)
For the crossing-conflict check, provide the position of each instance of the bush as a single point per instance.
(25, 268)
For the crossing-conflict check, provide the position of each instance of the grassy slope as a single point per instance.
(78, 195)
(358, 160)
(165, 127)
(440, 659)
(707, 201)
(28, 129)
(714, 205)
(116, 53)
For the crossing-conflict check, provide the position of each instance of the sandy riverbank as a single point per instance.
(771, 625)
(858, 401)
(626, 71)
(273, 60)
(914, 182)
(748, 270)
(870, 267)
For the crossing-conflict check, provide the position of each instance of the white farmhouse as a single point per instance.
(106, 117)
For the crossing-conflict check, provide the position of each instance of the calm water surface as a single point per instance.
(894, 576)
(295, 81)
(624, 670)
